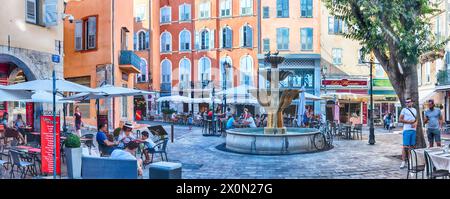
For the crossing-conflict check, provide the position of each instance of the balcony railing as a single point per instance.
(128, 57)
(443, 78)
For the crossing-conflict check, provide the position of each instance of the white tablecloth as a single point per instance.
(440, 159)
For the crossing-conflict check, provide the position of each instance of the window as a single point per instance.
(427, 72)
(307, 38)
(124, 38)
(419, 73)
(227, 37)
(166, 72)
(204, 40)
(205, 8)
(166, 42)
(85, 104)
(204, 68)
(336, 26)
(246, 36)
(142, 77)
(282, 8)
(125, 104)
(246, 7)
(438, 28)
(266, 13)
(306, 7)
(337, 56)
(228, 82)
(246, 70)
(266, 45)
(361, 56)
(225, 8)
(185, 40)
(166, 14)
(141, 40)
(283, 38)
(185, 73)
(185, 12)
(140, 12)
(40, 12)
(86, 34)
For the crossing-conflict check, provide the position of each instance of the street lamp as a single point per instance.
(226, 66)
(371, 129)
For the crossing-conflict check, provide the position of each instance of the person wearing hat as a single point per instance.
(408, 117)
(127, 132)
(434, 122)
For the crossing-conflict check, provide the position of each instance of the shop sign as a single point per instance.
(47, 145)
(345, 82)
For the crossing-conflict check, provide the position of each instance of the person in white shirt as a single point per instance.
(128, 154)
(408, 117)
(251, 122)
(149, 146)
(126, 134)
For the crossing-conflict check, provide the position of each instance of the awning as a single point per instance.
(425, 95)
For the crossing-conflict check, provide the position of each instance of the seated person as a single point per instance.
(126, 132)
(148, 145)
(12, 132)
(231, 122)
(128, 154)
(105, 146)
(19, 124)
(250, 122)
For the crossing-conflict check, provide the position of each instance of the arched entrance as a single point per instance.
(14, 70)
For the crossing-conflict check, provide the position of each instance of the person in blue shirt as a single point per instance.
(230, 123)
(105, 146)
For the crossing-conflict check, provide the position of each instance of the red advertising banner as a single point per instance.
(138, 115)
(47, 145)
(345, 82)
(30, 114)
(365, 113)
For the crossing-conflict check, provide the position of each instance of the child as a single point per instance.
(148, 146)
(190, 121)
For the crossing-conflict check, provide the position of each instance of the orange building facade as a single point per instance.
(195, 40)
(98, 51)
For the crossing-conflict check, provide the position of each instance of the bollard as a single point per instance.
(171, 132)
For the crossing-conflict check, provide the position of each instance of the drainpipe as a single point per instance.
(113, 61)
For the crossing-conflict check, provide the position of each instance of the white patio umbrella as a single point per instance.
(108, 91)
(249, 100)
(12, 95)
(312, 97)
(240, 90)
(175, 99)
(46, 97)
(205, 100)
(47, 85)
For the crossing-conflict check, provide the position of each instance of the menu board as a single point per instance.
(47, 145)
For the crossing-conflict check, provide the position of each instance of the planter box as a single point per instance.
(73, 161)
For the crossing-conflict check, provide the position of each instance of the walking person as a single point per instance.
(409, 120)
(434, 121)
(78, 122)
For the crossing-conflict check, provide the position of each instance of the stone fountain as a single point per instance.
(275, 139)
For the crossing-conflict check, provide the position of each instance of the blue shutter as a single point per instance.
(147, 40)
(51, 13)
(135, 41)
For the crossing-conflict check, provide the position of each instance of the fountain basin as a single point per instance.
(254, 141)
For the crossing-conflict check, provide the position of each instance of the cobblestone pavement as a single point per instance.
(349, 159)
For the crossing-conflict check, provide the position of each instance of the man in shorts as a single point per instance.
(408, 117)
(433, 118)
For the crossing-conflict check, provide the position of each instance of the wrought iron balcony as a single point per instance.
(443, 78)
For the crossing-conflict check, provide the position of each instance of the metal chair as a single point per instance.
(22, 166)
(357, 130)
(413, 166)
(432, 172)
(89, 143)
(161, 148)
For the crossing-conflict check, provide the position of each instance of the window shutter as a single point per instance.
(147, 40)
(212, 40)
(221, 38)
(92, 32)
(31, 11)
(249, 37)
(229, 38)
(181, 13)
(330, 25)
(135, 39)
(51, 13)
(78, 35)
(241, 36)
(197, 40)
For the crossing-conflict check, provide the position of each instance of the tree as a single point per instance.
(398, 32)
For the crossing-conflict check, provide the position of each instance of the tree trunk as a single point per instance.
(412, 91)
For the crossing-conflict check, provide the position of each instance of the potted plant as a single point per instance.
(73, 153)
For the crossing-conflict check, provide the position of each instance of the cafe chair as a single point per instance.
(432, 172)
(89, 143)
(23, 167)
(357, 130)
(413, 166)
(160, 148)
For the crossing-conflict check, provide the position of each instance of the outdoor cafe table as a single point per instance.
(347, 130)
(32, 153)
(441, 160)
